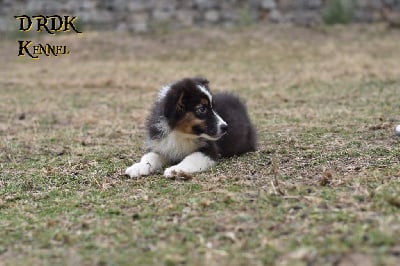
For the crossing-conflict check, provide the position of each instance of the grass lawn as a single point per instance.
(322, 189)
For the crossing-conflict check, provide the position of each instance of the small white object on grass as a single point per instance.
(397, 130)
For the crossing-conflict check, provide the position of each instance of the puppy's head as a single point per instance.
(188, 107)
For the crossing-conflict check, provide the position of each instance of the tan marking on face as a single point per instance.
(204, 101)
(186, 124)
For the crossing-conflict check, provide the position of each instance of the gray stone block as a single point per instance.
(205, 4)
(275, 16)
(161, 15)
(268, 4)
(212, 16)
(185, 17)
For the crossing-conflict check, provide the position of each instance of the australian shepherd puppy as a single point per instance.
(189, 129)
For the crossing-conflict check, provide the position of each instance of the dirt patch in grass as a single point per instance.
(321, 189)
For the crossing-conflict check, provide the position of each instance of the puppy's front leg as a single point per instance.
(149, 163)
(195, 162)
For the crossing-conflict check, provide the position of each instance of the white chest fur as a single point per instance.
(175, 146)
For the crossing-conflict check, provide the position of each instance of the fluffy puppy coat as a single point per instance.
(189, 128)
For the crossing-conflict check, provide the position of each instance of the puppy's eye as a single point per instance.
(201, 109)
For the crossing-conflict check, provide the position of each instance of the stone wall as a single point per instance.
(147, 15)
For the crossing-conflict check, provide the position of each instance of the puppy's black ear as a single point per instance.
(174, 104)
(201, 81)
(180, 107)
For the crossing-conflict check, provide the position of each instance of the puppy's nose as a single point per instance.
(224, 128)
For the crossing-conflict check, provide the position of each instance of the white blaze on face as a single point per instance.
(206, 92)
(220, 122)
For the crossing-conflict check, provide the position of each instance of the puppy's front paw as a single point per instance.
(173, 171)
(177, 173)
(138, 169)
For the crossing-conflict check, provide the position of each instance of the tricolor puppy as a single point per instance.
(189, 129)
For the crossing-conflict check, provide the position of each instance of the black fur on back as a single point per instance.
(241, 136)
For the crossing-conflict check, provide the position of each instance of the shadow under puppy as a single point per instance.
(189, 128)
